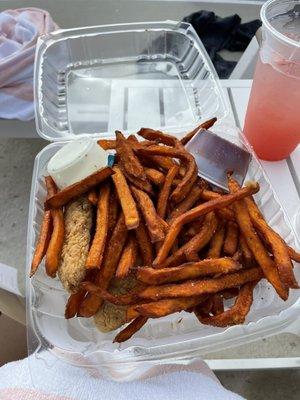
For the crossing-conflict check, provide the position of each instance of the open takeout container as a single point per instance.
(91, 81)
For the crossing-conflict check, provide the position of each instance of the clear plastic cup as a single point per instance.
(272, 124)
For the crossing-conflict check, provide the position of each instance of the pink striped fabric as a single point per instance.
(28, 394)
(19, 31)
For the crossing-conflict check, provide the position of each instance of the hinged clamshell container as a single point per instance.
(91, 81)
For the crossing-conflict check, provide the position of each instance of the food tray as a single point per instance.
(172, 338)
(179, 337)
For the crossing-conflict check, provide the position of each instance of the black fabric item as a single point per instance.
(219, 33)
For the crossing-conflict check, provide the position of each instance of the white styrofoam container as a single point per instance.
(177, 87)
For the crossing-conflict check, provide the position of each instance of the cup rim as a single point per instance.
(275, 32)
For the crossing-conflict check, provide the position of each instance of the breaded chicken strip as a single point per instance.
(78, 224)
(110, 316)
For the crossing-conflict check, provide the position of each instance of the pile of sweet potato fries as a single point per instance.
(188, 246)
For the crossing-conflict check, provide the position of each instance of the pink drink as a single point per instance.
(272, 123)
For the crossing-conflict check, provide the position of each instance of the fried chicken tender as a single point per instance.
(78, 223)
(110, 316)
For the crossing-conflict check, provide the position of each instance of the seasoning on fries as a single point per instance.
(147, 238)
(191, 270)
(199, 287)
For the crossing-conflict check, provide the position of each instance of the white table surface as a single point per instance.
(285, 178)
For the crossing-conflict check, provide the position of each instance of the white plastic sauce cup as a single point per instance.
(75, 161)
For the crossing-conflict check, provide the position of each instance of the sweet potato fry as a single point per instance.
(278, 245)
(57, 236)
(185, 185)
(226, 212)
(205, 125)
(238, 255)
(205, 307)
(158, 136)
(42, 243)
(237, 314)
(207, 195)
(261, 255)
(112, 211)
(199, 287)
(162, 308)
(144, 243)
(182, 170)
(93, 197)
(155, 176)
(294, 255)
(190, 270)
(216, 243)
(160, 161)
(164, 193)
(95, 256)
(229, 293)
(92, 302)
(120, 300)
(153, 223)
(203, 237)
(195, 244)
(192, 256)
(113, 253)
(194, 227)
(131, 313)
(231, 238)
(130, 329)
(43, 240)
(107, 144)
(73, 304)
(217, 305)
(70, 192)
(186, 204)
(127, 157)
(246, 252)
(126, 200)
(164, 223)
(142, 185)
(197, 212)
(128, 258)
